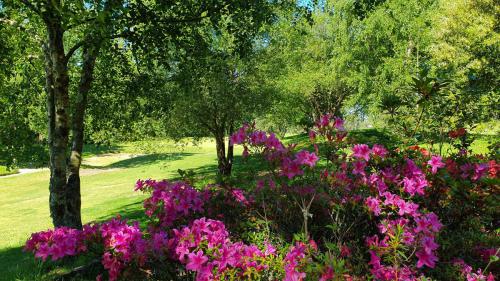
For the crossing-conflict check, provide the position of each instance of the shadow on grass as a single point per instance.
(94, 150)
(368, 136)
(15, 264)
(374, 136)
(244, 173)
(132, 212)
(141, 160)
(22, 266)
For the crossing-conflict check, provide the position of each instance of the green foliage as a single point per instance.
(4, 171)
(22, 118)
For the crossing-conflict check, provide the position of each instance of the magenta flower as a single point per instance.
(290, 168)
(272, 142)
(196, 261)
(339, 124)
(239, 137)
(479, 171)
(258, 138)
(406, 207)
(373, 204)
(361, 151)
(324, 120)
(429, 244)
(435, 163)
(379, 150)
(425, 258)
(359, 168)
(239, 196)
(305, 157)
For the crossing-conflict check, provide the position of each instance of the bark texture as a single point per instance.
(73, 197)
(57, 82)
(224, 161)
(64, 186)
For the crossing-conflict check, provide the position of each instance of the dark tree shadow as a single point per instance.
(132, 211)
(374, 136)
(94, 149)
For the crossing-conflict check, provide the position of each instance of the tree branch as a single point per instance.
(87, 20)
(87, 39)
(74, 48)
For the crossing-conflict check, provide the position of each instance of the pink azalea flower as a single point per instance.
(379, 150)
(359, 168)
(305, 157)
(324, 120)
(196, 261)
(374, 205)
(361, 151)
(290, 168)
(434, 222)
(339, 124)
(479, 171)
(258, 138)
(238, 137)
(428, 244)
(273, 142)
(425, 258)
(240, 196)
(436, 163)
(270, 249)
(406, 207)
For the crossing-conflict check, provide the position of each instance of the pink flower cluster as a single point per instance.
(170, 201)
(362, 153)
(466, 271)
(123, 245)
(403, 224)
(405, 227)
(57, 243)
(291, 165)
(329, 126)
(472, 171)
(296, 258)
(205, 248)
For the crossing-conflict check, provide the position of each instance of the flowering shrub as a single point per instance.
(57, 243)
(205, 248)
(170, 201)
(386, 214)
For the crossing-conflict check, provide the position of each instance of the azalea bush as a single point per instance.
(333, 209)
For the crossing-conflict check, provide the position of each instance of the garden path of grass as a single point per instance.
(106, 191)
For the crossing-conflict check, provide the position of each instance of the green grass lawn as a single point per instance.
(108, 178)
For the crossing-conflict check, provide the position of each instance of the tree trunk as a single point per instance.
(57, 81)
(64, 198)
(224, 164)
(72, 215)
(230, 152)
